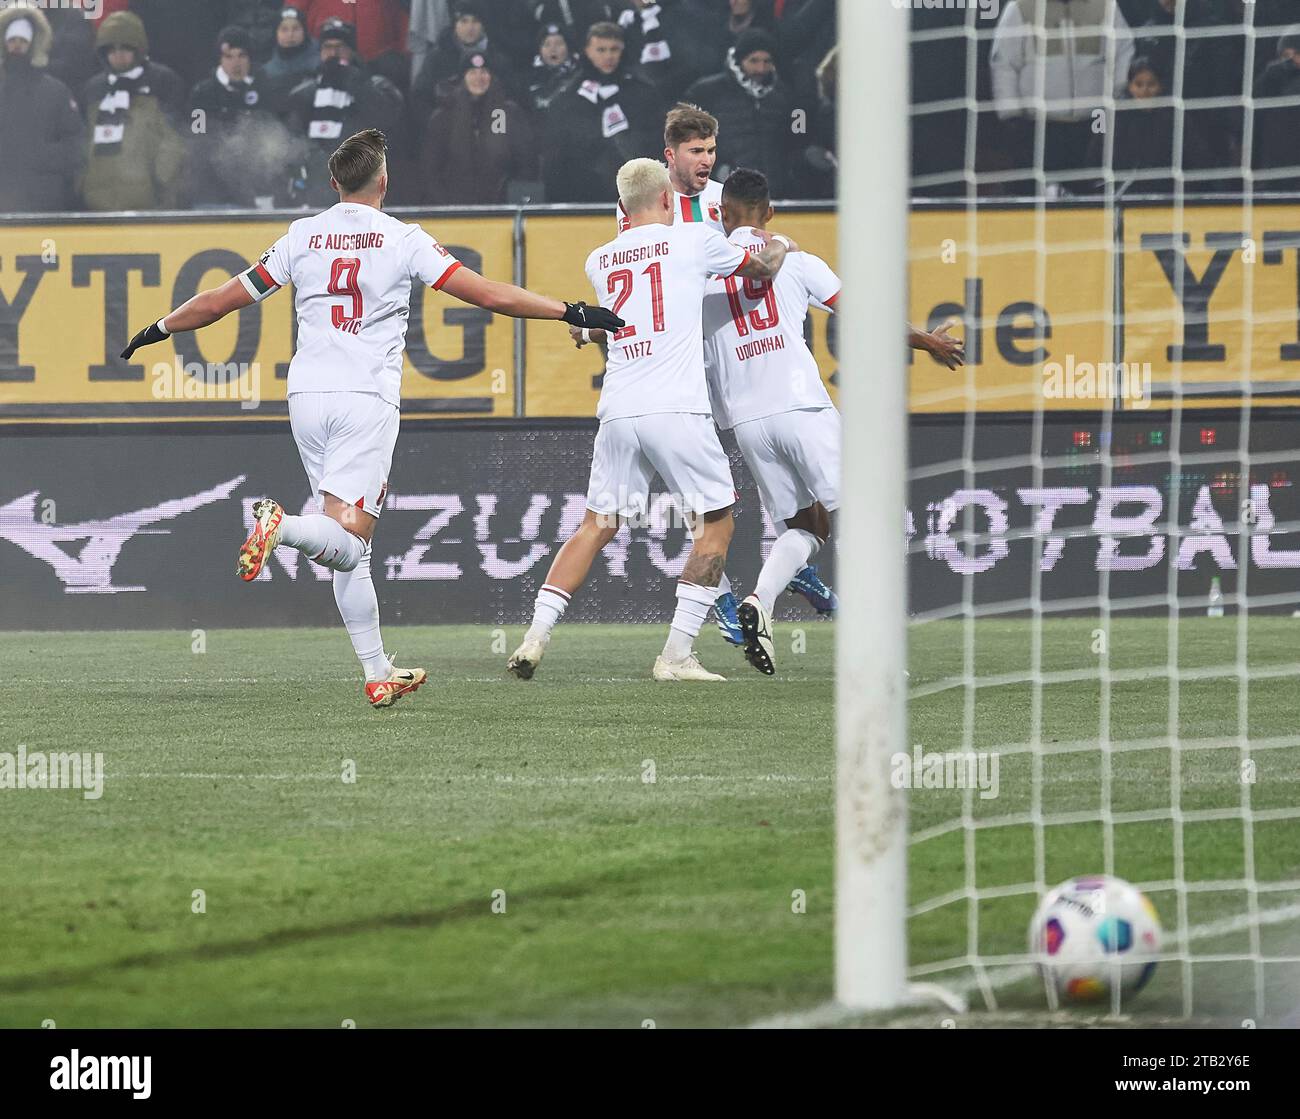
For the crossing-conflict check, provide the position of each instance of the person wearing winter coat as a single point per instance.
(41, 133)
(603, 117)
(295, 56)
(476, 142)
(238, 146)
(343, 98)
(1143, 138)
(754, 110)
(1276, 124)
(136, 159)
(552, 68)
(467, 35)
(1072, 78)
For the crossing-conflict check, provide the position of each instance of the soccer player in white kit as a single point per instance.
(654, 410)
(764, 383)
(691, 152)
(352, 268)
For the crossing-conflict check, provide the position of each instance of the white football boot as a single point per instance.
(756, 625)
(689, 669)
(523, 661)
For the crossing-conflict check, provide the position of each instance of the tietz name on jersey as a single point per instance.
(654, 277)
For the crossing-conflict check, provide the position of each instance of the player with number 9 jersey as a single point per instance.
(353, 270)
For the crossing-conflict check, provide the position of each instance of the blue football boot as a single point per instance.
(724, 610)
(809, 584)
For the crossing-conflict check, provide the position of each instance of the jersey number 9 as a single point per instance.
(344, 280)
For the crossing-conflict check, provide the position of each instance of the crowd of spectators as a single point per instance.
(236, 104)
(166, 104)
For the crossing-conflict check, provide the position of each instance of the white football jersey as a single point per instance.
(653, 277)
(704, 207)
(351, 268)
(758, 362)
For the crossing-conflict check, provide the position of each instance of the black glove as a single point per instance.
(592, 318)
(147, 337)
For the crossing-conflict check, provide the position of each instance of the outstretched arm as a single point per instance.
(507, 299)
(203, 310)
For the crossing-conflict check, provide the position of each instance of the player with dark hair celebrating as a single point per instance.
(764, 383)
(352, 268)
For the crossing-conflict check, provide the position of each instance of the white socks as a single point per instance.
(791, 552)
(724, 586)
(693, 606)
(547, 610)
(322, 540)
(354, 591)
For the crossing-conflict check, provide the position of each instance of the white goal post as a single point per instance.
(871, 634)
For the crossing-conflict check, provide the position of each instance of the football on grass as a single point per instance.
(1091, 933)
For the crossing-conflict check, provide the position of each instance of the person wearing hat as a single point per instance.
(380, 25)
(41, 134)
(237, 145)
(123, 46)
(467, 35)
(553, 66)
(136, 158)
(295, 56)
(753, 107)
(464, 158)
(261, 19)
(605, 115)
(341, 99)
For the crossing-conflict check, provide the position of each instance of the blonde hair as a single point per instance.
(640, 183)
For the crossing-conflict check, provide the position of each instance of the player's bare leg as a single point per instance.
(568, 572)
(337, 538)
(697, 590)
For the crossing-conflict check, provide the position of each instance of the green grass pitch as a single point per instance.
(626, 899)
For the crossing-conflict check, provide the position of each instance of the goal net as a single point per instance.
(1102, 520)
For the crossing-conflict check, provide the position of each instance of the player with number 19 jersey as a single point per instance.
(758, 361)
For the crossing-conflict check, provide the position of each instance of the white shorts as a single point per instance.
(346, 441)
(682, 447)
(795, 459)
